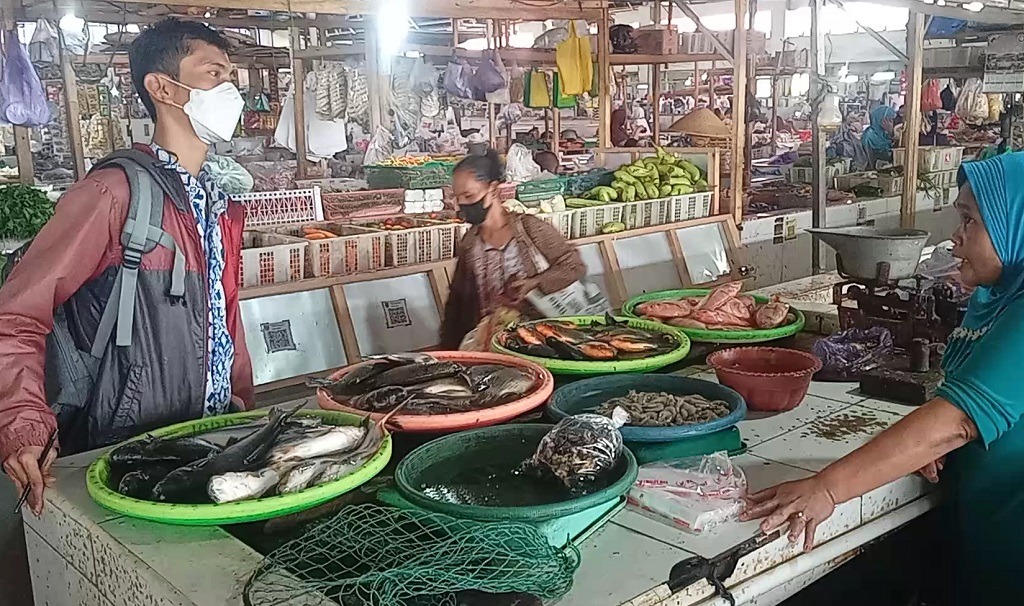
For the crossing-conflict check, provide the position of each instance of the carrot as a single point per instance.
(320, 233)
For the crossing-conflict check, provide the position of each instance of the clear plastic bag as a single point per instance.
(23, 100)
(457, 80)
(853, 351)
(694, 493)
(580, 450)
(519, 164)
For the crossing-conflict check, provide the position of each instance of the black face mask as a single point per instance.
(474, 213)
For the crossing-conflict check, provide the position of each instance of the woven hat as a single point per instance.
(701, 121)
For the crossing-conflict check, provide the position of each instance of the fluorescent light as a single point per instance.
(641, 87)
(883, 76)
(974, 7)
(413, 54)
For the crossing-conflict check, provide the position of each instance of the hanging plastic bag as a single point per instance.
(380, 148)
(948, 98)
(457, 80)
(517, 85)
(22, 101)
(995, 107)
(423, 78)
(695, 493)
(487, 78)
(562, 100)
(502, 95)
(43, 46)
(574, 63)
(537, 89)
(930, 99)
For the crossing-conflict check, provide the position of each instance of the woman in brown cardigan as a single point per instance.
(496, 263)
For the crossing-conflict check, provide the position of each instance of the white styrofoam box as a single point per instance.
(433, 194)
(414, 195)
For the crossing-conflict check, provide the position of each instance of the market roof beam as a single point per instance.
(718, 44)
(990, 14)
(480, 9)
(902, 56)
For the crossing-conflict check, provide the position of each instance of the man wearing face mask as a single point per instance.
(99, 373)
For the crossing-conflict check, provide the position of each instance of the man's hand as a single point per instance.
(23, 467)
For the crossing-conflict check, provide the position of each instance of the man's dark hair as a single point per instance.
(162, 46)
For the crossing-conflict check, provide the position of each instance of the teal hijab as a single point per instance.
(875, 138)
(982, 356)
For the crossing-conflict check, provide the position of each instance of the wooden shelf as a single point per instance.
(660, 59)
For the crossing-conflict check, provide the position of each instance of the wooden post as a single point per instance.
(656, 102)
(373, 71)
(491, 37)
(739, 111)
(819, 188)
(775, 110)
(712, 96)
(74, 114)
(604, 103)
(915, 52)
(556, 130)
(299, 86)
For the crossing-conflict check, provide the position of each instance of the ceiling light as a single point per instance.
(974, 7)
(883, 76)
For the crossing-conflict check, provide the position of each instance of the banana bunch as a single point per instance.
(659, 176)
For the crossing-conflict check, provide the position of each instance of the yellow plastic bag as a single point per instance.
(574, 63)
(537, 89)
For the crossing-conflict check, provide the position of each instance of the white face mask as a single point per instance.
(214, 113)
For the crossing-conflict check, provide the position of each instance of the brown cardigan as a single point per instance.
(462, 312)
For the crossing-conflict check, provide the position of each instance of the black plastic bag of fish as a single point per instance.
(581, 450)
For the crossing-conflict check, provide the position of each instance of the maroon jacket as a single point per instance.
(71, 267)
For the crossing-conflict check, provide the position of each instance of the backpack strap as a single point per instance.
(142, 232)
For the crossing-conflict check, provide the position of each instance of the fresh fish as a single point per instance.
(377, 400)
(303, 475)
(632, 344)
(139, 484)
(412, 357)
(665, 310)
(479, 373)
(459, 385)
(240, 486)
(187, 483)
(413, 374)
(339, 469)
(149, 451)
(560, 332)
(597, 350)
(335, 441)
(353, 381)
(564, 350)
(529, 335)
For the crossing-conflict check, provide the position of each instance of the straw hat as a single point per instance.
(701, 121)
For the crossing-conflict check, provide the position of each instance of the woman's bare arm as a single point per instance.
(931, 431)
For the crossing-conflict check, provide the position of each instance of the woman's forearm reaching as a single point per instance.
(930, 432)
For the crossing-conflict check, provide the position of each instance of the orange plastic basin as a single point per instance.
(543, 385)
(770, 379)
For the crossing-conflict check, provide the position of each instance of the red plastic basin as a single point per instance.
(770, 379)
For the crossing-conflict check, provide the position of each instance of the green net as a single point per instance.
(382, 556)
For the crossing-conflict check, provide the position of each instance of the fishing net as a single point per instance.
(382, 556)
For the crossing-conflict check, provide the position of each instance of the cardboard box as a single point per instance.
(657, 40)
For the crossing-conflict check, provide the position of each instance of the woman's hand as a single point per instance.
(931, 471)
(804, 503)
(524, 286)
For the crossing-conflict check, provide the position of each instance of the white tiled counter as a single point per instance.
(628, 561)
(82, 555)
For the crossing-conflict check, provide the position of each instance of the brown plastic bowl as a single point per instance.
(770, 379)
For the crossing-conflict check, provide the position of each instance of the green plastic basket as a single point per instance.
(582, 183)
(536, 191)
(425, 176)
(753, 335)
(579, 368)
(243, 511)
(437, 461)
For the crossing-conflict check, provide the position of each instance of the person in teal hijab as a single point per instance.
(974, 419)
(878, 136)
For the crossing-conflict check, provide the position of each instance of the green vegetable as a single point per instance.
(23, 211)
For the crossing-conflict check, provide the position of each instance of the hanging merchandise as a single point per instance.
(948, 98)
(423, 78)
(487, 78)
(502, 95)
(517, 85)
(574, 63)
(930, 98)
(537, 91)
(322, 92)
(509, 115)
(972, 104)
(380, 148)
(324, 138)
(22, 100)
(457, 79)
(995, 107)
(358, 104)
(43, 46)
(562, 100)
(430, 104)
(621, 37)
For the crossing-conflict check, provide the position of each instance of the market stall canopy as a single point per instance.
(701, 121)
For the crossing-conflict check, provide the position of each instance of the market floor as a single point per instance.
(890, 572)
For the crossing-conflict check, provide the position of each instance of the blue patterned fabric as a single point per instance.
(209, 202)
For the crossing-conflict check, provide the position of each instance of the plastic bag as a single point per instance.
(930, 99)
(519, 164)
(457, 80)
(479, 339)
(517, 85)
(423, 78)
(488, 78)
(972, 104)
(995, 106)
(580, 450)
(562, 100)
(537, 95)
(23, 101)
(696, 493)
(574, 63)
(853, 351)
(43, 46)
(502, 94)
(380, 148)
